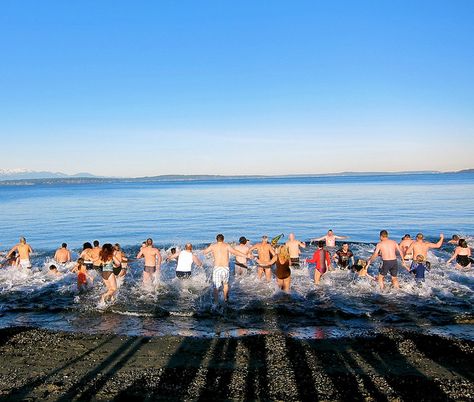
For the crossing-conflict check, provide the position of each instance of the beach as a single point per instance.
(393, 365)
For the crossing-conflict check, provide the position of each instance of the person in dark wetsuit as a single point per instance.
(418, 268)
(344, 257)
(462, 255)
(322, 259)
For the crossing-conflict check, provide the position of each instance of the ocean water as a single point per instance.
(173, 213)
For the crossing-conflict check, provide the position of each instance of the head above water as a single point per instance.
(330, 232)
(80, 261)
(383, 234)
(64, 245)
(188, 247)
(86, 246)
(462, 243)
(149, 241)
(264, 239)
(220, 238)
(345, 246)
(406, 237)
(96, 243)
(321, 243)
(243, 240)
(455, 238)
(53, 268)
(173, 250)
(419, 236)
(22, 240)
(117, 247)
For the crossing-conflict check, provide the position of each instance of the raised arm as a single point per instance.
(341, 237)
(439, 244)
(318, 239)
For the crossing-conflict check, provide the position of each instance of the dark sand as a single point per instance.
(41, 365)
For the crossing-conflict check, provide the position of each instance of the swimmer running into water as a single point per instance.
(294, 246)
(404, 245)
(152, 258)
(24, 250)
(322, 259)
(388, 249)
(462, 255)
(265, 254)
(185, 258)
(241, 262)
(220, 274)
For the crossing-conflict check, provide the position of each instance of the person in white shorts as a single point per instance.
(24, 251)
(220, 273)
(186, 258)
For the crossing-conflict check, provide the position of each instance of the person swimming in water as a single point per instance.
(344, 257)
(462, 255)
(418, 268)
(454, 240)
(322, 259)
(53, 271)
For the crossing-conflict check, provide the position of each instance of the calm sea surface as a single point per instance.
(173, 213)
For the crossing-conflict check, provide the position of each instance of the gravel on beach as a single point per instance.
(392, 365)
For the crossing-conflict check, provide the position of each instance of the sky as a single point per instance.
(136, 88)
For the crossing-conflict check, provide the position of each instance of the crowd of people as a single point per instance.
(270, 259)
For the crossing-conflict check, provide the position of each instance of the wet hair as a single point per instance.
(420, 258)
(86, 246)
(220, 237)
(107, 252)
(53, 267)
(173, 250)
(462, 243)
(96, 243)
(64, 245)
(321, 243)
(383, 233)
(13, 254)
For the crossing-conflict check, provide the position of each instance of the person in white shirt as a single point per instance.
(186, 258)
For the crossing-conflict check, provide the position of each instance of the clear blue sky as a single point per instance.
(236, 87)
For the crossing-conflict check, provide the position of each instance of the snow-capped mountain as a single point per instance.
(19, 174)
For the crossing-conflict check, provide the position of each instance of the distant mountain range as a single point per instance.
(25, 176)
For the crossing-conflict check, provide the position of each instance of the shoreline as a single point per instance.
(52, 365)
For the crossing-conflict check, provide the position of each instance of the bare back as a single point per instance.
(151, 255)
(62, 255)
(95, 253)
(388, 248)
(243, 249)
(405, 244)
(24, 251)
(294, 248)
(265, 252)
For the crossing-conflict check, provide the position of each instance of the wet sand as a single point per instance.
(57, 366)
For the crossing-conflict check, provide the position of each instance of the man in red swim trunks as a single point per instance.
(322, 259)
